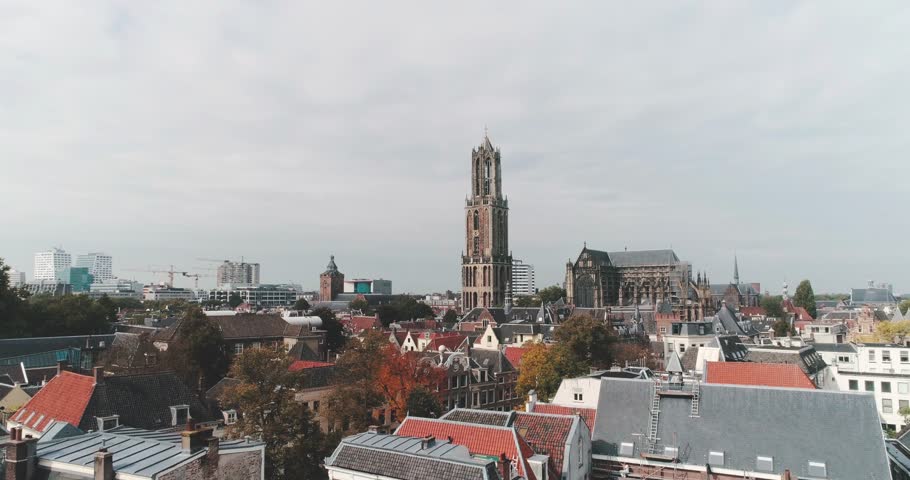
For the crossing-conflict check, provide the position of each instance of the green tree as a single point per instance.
(588, 341)
(543, 367)
(422, 403)
(782, 328)
(234, 300)
(773, 306)
(356, 393)
(526, 301)
(805, 298)
(550, 294)
(334, 336)
(302, 305)
(12, 319)
(450, 317)
(264, 396)
(904, 306)
(198, 353)
(67, 315)
(892, 331)
(359, 304)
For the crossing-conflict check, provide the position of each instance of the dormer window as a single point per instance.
(230, 416)
(107, 423)
(179, 414)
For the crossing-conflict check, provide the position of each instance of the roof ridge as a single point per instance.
(443, 420)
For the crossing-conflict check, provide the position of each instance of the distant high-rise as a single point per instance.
(16, 278)
(52, 265)
(99, 265)
(238, 274)
(523, 282)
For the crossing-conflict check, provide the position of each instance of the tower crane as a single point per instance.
(170, 272)
(195, 277)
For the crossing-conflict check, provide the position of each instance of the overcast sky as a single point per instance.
(283, 132)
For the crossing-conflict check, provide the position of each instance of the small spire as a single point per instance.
(735, 270)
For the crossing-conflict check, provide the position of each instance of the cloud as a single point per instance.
(283, 132)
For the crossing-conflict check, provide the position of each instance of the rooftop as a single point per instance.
(763, 374)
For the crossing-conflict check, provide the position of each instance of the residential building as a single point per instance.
(725, 432)
(96, 402)
(375, 456)
(480, 379)
(237, 274)
(51, 265)
(136, 454)
(486, 262)
(523, 282)
(317, 388)
(687, 335)
(99, 265)
(79, 279)
(16, 278)
(365, 286)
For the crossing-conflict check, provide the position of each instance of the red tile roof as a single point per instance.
(760, 374)
(304, 364)
(479, 439)
(589, 415)
(547, 435)
(451, 342)
(358, 324)
(514, 355)
(64, 399)
(752, 311)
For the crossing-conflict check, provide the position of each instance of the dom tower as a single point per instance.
(486, 266)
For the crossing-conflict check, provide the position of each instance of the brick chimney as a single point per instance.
(104, 465)
(61, 366)
(20, 456)
(427, 442)
(505, 467)
(98, 373)
(194, 439)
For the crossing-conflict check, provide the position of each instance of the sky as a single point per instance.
(285, 132)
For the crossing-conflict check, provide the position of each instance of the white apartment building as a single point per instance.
(99, 265)
(523, 282)
(237, 274)
(880, 368)
(16, 278)
(51, 265)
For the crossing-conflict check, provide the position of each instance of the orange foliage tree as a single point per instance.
(400, 373)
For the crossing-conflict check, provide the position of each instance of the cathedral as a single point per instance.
(486, 263)
(601, 279)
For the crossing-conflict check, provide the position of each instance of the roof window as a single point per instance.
(626, 449)
(818, 470)
(716, 458)
(764, 464)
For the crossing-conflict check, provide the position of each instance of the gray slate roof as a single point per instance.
(835, 347)
(403, 458)
(746, 421)
(643, 257)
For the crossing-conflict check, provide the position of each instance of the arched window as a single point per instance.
(476, 246)
(584, 292)
(476, 220)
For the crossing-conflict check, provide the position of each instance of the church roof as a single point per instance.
(643, 257)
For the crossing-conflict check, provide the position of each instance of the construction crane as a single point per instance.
(170, 272)
(195, 277)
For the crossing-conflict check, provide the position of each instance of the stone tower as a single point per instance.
(486, 264)
(331, 282)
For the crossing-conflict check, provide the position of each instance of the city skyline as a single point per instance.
(747, 129)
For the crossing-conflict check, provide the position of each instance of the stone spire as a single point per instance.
(508, 300)
(735, 270)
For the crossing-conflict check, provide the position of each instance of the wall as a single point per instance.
(588, 387)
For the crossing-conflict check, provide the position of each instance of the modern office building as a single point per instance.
(166, 292)
(51, 265)
(116, 288)
(368, 286)
(100, 265)
(237, 274)
(263, 296)
(523, 282)
(78, 278)
(16, 278)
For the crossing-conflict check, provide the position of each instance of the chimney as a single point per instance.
(98, 373)
(786, 475)
(61, 366)
(532, 401)
(20, 456)
(427, 442)
(194, 439)
(505, 467)
(104, 465)
(373, 429)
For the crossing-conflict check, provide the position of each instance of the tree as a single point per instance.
(904, 306)
(422, 403)
(634, 351)
(450, 317)
(892, 331)
(234, 300)
(198, 353)
(526, 301)
(782, 328)
(773, 306)
(551, 294)
(334, 336)
(355, 393)
(359, 303)
(12, 320)
(264, 396)
(587, 340)
(543, 367)
(67, 315)
(302, 305)
(805, 297)
(401, 373)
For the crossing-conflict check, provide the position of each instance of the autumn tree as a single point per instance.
(904, 306)
(805, 297)
(892, 331)
(264, 396)
(588, 341)
(543, 367)
(355, 393)
(198, 353)
(402, 373)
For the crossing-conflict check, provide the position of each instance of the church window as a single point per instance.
(476, 220)
(476, 246)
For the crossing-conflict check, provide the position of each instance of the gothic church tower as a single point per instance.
(486, 265)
